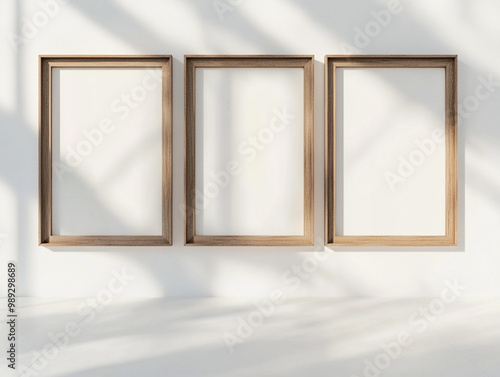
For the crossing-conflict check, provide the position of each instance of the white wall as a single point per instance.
(469, 29)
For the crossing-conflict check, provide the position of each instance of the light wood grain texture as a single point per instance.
(192, 62)
(250, 241)
(449, 63)
(107, 241)
(46, 63)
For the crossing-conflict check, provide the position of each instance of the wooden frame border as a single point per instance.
(46, 63)
(449, 63)
(191, 62)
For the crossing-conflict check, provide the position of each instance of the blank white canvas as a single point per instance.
(251, 118)
(384, 118)
(114, 182)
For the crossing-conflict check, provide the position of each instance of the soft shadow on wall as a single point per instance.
(191, 269)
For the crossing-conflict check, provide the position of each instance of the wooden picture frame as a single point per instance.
(46, 65)
(332, 64)
(194, 62)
